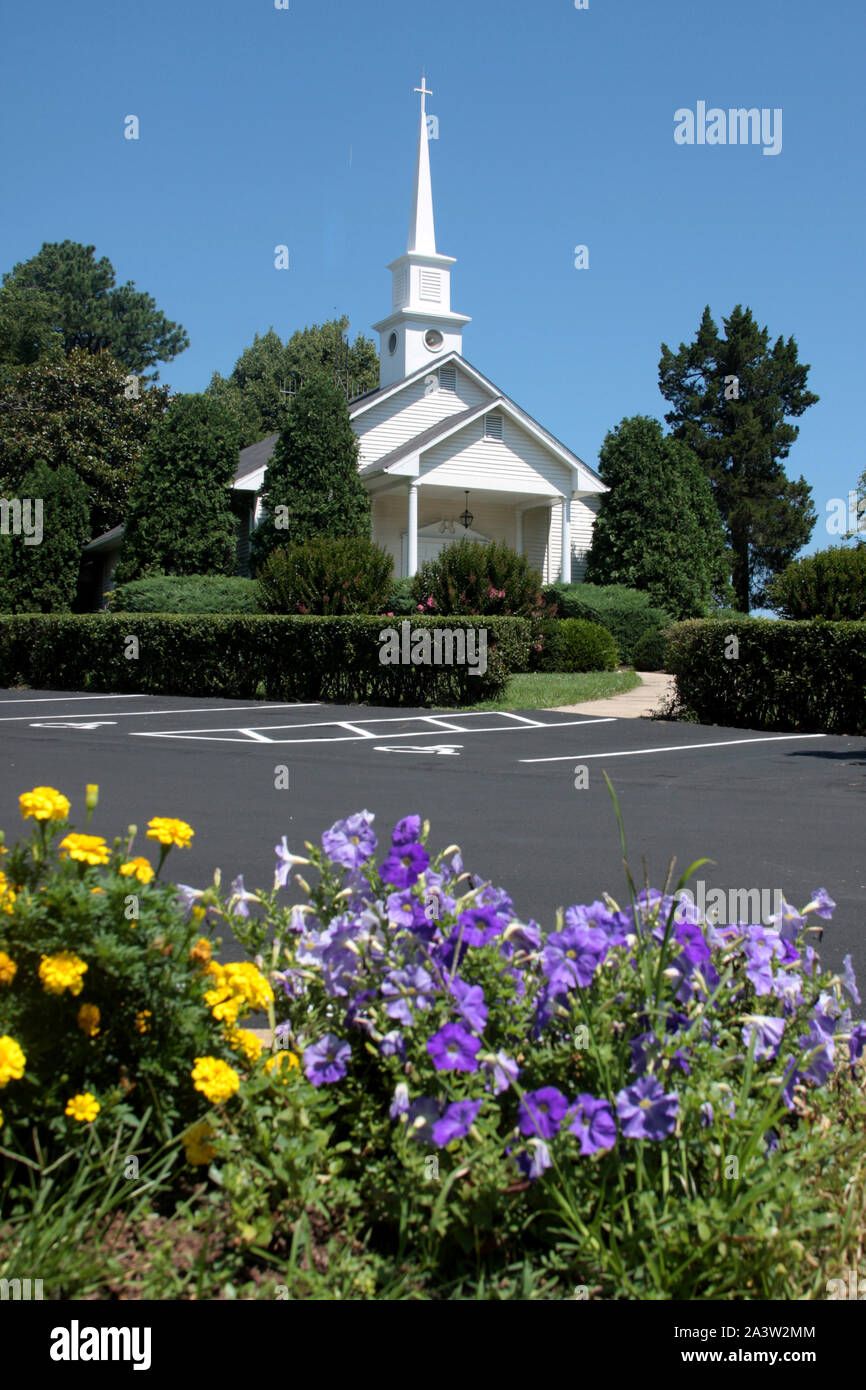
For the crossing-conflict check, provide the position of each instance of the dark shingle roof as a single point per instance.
(255, 455)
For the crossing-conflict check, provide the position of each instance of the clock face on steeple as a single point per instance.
(433, 339)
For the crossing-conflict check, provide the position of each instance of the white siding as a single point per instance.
(517, 463)
(408, 413)
(584, 511)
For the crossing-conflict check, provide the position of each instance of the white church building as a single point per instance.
(439, 442)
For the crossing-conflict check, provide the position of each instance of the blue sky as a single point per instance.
(261, 126)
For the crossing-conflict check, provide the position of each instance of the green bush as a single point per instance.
(326, 575)
(573, 644)
(758, 673)
(401, 599)
(193, 593)
(290, 658)
(829, 584)
(471, 577)
(42, 578)
(649, 650)
(626, 613)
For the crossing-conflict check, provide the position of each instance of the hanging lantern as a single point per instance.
(466, 516)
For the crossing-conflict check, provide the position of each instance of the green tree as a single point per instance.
(39, 570)
(76, 412)
(254, 389)
(311, 485)
(658, 528)
(28, 331)
(180, 517)
(90, 310)
(731, 399)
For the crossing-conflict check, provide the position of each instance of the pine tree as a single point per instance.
(180, 519)
(658, 527)
(312, 486)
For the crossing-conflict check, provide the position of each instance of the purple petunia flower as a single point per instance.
(406, 832)
(478, 925)
(572, 956)
(822, 904)
(351, 841)
(856, 1043)
(533, 1160)
(420, 1118)
(645, 1111)
(788, 921)
(407, 991)
(759, 971)
(326, 1060)
(821, 1051)
(503, 1070)
(285, 863)
(541, 1112)
(849, 981)
(470, 1003)
(767, 1032)
(453, 1049)
(404, 866)
(594, 1124)
(392, 1045)
(400, 1103)
(456, 1122)
(707, 1115)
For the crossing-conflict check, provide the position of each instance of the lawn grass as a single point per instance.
(547, 690)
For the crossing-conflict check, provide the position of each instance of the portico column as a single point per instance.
(413, 530)
(519, 531)
(565, 569)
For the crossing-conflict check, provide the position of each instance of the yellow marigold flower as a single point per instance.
(215, 1079)
(87, 849)
(238, 987)
(170, 832)
(140, 867)
(7, 893)
(97, 890)
(63, 971)
(141, 1020)
(198, 1150)
(88, 1019)
(84, 1107)
(91, 796)
(44, 803)
(12, 1061)
(280, 1065)
(8, 969)
(243, 1040)
(201, 951)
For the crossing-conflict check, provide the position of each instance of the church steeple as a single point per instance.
(422, 234)
(421, 326)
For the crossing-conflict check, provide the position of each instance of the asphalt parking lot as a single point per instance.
(523, 794)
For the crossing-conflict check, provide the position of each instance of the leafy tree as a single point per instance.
(658, 528)
(731, 397)
(269, 366)
(180, 515)
(829, 584)
(42, 577)
(312, 486)
(75, 412)
(89, 310)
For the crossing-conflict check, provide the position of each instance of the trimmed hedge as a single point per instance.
(291, 658)
(184, 593)
(573, 644)
(626, 613)
(650, 650)
(805, 676)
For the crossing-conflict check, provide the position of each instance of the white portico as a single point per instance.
(437, 429)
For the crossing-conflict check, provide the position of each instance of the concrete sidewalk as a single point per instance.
(639, 703)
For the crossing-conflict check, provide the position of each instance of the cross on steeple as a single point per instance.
(425, 92)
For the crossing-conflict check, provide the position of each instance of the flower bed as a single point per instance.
(638, 1103)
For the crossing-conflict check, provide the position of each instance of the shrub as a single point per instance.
(829, 584)
(757, 673)
(649, 650)
(401, 599)
(193, 593)
(473, 577)
(326, 575)
(572, 644)
(626, 613)
(42, 578)
(286, 658)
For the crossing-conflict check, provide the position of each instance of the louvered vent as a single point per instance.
(431, 285)
(400, 287)
(447, 378)
(493, 426)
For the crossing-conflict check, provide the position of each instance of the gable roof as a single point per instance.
(255, 456)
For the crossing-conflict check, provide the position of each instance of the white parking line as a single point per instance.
(673, 748)
(143, 713)
(67, 699)
(358, 733)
